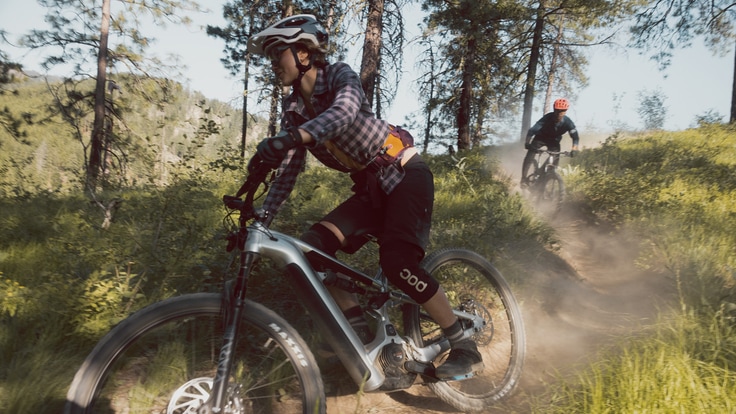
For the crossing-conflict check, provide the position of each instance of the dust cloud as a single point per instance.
(588, 295)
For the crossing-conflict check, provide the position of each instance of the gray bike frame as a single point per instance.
(549, 163)
(359, 360)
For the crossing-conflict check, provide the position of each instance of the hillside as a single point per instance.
(46, 129)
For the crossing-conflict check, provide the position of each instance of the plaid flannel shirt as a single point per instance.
(343, 117)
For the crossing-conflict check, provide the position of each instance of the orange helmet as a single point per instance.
(561, 104)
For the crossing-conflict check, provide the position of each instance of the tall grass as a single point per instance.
(679, 191)
(685, 365)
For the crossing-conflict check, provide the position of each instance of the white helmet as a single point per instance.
(302, 28)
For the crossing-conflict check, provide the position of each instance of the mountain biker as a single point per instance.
(328, 115)
(548, 132)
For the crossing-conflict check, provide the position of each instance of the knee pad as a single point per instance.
(400, 264)
(322, 238)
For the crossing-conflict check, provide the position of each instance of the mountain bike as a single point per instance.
(544, 184)
(225, 353)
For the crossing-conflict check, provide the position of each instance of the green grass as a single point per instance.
(679, 191)
(684, 366)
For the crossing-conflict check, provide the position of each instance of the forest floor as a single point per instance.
(588, 295)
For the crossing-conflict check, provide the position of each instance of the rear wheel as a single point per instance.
(475, 286)
(163, 359)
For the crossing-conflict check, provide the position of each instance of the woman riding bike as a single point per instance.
(328, 115)
(548, 132)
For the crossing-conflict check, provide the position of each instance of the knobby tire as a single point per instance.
(168, 351)
(551, 193)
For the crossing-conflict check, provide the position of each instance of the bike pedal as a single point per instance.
(458, 377)
(474, 370)
(428, 372)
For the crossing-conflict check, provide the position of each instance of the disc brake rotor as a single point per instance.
(188, 398)
(485, 335)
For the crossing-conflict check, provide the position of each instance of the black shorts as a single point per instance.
(405, 214)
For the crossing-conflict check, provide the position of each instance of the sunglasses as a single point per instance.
(274, 53)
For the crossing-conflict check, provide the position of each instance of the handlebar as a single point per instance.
(257, 175)
(541, 151)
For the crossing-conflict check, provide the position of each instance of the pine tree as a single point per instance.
(664, 26)
(94, 39)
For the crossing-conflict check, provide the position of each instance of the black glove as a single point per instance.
(528, 145)
(255, 164)
(272, 150)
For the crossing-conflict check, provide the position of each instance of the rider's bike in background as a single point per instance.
(224, 353)
(544, 185)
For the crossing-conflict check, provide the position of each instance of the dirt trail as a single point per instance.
(587, 296)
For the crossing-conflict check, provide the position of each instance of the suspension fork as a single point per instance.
(234, 306)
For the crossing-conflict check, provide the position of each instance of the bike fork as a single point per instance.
(233, 312)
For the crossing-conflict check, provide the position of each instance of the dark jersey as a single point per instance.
(548, 130)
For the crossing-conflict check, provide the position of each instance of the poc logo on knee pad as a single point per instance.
(413, 280)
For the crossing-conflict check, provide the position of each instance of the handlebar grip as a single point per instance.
(232, 202)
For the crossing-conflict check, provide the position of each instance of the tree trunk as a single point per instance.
(273, 117)
(98, 129)
(733, 92)
(551, 77)
(246, 77)
(531, 75)
(369, 66)
(377, 89)
(482, 109)
(245, 108)
(428, 125)
(430, 101)
(466, 98)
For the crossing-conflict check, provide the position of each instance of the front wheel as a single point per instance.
(531, 178)
(163, 359)
(550, 193)
(474, 285)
